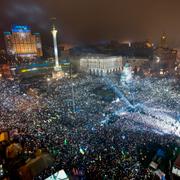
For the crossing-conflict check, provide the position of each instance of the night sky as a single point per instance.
(88, 21)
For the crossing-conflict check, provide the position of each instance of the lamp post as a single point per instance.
(74, 110)
(48, 83)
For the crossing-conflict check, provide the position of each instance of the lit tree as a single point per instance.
(126, 74)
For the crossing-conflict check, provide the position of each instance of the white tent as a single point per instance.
(60, 175)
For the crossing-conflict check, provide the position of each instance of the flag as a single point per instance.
(81, 151)
(3, 136)
(65, 142)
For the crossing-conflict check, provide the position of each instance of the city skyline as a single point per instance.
(96, 21)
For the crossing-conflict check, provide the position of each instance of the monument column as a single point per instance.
(57, 67)
(57, 73)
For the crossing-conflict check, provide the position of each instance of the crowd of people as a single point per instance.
(66, 119)
(157, 100)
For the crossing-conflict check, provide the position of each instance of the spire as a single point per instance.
(163, 42)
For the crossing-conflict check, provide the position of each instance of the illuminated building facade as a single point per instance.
(21, 42)
(100, 65)
(177, 68)
(138, 65)
(165, 58)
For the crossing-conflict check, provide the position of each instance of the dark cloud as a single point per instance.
(95, 20)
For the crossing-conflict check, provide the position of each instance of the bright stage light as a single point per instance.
(157, 59)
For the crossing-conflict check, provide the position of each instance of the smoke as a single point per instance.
(97, 20)
(26, 12)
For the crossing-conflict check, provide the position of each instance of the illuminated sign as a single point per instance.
(24, 70)
(36, 33)
(7, 33)
(19, 28)
(65, 62)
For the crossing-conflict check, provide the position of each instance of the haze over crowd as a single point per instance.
(94, 21)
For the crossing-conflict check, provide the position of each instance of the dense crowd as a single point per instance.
(81, 141)
(157, 100)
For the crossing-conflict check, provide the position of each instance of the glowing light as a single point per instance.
(161, 72)
(81, 151)
(18, 28)
(117, 100)
(24, 70)
(157, 59)
(34, 69)
(28, 70)
(59, 175)
(48, 79)
(126, 75)
(65, 142)
(23, 35)
(149, 45)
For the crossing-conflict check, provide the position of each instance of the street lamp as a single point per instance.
(73, 101)
(48, 83)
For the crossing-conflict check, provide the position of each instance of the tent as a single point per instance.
(4, 136)
(60, 175)
(35, 166)
(176, 167)
(161, 175)
(13, 150)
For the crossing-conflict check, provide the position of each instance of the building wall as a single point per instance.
(38, 44)
(22, 43)
(167, 59)
(100, 65)
(136, 62)
(8, 43)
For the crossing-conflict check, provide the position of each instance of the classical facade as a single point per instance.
(21, 42)
(100, 65)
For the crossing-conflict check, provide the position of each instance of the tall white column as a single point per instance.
(54, 33)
